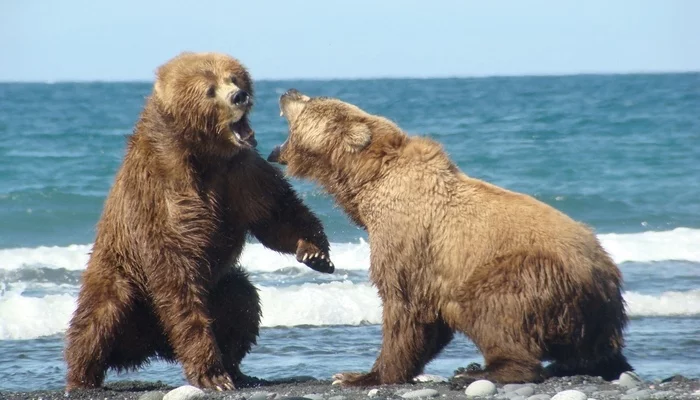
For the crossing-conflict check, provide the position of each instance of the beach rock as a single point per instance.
(675, 378)
(292, 398)
(373, 393)
(629, 380)
(261, 396)
(588, 389)
(420, 394)
(481, 387)
(512, 387)
(632, 390)
(606, 393)
(518, 398)
(152, 396)
(665, 394)
(570, 395)
(638, 395)
(337, 398)
(186, 392)
(540, 397)
(526, 391)
(696, 393)
(429, 378)
(313, 396)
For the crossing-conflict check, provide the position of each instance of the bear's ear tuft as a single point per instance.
(357, 137)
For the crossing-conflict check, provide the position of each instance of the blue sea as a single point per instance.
(618, 152)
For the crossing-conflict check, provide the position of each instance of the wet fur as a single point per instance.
(162, 280)
(450, 253)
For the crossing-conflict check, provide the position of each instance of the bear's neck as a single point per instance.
(171, 151)
(366, 180)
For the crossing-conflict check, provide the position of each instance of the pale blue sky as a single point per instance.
(53, 40)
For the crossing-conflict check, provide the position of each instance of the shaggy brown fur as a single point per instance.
(451, 253)
(161, 280)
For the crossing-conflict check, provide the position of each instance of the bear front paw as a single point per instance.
(218, 382)
(316, 259)
(356, 379)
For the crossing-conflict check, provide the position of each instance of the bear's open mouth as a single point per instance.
(243, 136)
(249, 140)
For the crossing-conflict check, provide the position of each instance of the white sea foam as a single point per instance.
(664, 305)
(676, 244)
(24, 317)
(255, 257)
(334, 303)
(73, 257)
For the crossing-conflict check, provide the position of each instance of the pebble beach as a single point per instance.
(628, 387)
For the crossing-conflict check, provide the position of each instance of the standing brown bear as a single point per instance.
(161, 280)
(452, 253)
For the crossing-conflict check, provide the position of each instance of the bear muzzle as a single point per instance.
(275, 155)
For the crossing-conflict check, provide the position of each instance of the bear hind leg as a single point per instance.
(103, 307)
(236, 312)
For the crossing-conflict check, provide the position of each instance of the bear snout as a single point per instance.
(275, 155)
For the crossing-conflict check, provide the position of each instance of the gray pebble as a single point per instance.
(570, 395)
(481, 387)
(632, 390)
(606, 393)
(526, 391)
(589, 389)
(510, 395)
(261, 396)
(539, 397)
(518, 398)
(512, 387)
(291, 398)
(152, 396)
(186, 392)
(337, 398)
(421, 393)
(313, 396)
(665, 394)
(638, 395)
(629, 380)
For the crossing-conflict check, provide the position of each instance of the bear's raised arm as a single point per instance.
(278, 218)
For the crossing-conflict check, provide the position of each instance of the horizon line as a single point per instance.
(380, 77)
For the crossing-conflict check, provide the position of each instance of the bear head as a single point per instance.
(206, 98)
(327, 134)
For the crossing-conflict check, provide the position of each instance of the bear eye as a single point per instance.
(211, 92)
(234, 80)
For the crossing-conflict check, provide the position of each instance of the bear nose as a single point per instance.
(239, 98)
(292, 93)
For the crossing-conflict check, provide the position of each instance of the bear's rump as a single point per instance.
(538, 300)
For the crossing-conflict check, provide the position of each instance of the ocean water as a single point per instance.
(621, 153)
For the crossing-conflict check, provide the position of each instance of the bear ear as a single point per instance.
(357, 137)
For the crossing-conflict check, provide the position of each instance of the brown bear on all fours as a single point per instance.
(162, 280)
(523, 281)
